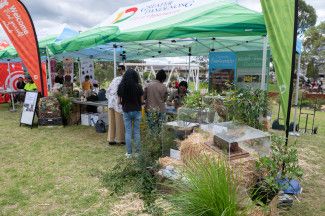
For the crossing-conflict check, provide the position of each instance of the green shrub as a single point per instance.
(247, 105)
(282, 164)
(209, 190)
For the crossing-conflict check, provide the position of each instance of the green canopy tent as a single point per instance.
(167, 29)
(140, 28)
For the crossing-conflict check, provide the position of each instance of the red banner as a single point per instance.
(10, 81)
(19, 27)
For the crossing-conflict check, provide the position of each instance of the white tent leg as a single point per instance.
(297, 97)
(170, 76)
(11, 88)
(189, 69)
(49, 81)
(115, 69)
(197, 81)
(263, 79)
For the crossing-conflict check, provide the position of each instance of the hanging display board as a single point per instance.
(249, 68)
(87, 68)
(68, 67)
(222, 70)
(28, 113)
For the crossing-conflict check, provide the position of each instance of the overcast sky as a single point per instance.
(51, 16)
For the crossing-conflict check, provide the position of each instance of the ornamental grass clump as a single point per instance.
(208, 190)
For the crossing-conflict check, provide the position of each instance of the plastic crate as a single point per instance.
(50, 121)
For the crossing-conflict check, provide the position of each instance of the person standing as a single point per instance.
(155, 96)
(116, 132)
(130, 95)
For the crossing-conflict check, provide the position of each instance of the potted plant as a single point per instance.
(66, 108)
(276, 171)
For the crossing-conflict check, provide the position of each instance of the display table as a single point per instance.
(234, 134)
(12, 93)
(89, 103)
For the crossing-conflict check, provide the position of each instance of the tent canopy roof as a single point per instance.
(167, 28)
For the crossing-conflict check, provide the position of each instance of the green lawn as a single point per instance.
(58, 171)
(53, 171)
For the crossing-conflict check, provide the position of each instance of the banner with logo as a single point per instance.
(155, 11)
(3, 45)
(68, 67)
(249, 68)
(222, 70)
(10, 81)
(279, 18)
(19, 27)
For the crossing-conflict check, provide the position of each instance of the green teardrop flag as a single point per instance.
(279, 18)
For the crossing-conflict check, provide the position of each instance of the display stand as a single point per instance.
(28, 113)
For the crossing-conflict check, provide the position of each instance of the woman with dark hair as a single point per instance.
(155, 95)
(130, 94)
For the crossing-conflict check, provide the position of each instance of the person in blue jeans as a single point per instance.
(130, 95)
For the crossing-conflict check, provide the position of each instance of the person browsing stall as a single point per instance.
(30, 85)
(116, 131)
(176, 98)
(59, 77)
(20, 84)
(87, 85)
(155, 96)
(130, 95)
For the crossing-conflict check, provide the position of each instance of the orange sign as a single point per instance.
(19, 27)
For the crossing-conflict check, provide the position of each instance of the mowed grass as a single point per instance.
(312, 159)
(53, 171)
(58, 171)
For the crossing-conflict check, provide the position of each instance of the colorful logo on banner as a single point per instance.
(3, 45)
(124, 15)
(10, 81)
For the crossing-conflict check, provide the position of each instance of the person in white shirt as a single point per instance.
(116, 130)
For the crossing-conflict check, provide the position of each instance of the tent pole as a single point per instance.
(297, 97)
(189, 64)
(8, 70)
(197, 83)
(11, 88)
(263, 79)
(114, 46)
(49, 68)
(170, 76)
(293, 64)
(79, 70)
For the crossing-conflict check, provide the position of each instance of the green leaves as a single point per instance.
(208, 191)
(247, 105)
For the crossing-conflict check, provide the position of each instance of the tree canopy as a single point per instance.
(306, 16)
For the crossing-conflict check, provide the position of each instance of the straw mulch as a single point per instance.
(201, 144)
(168, 161)
(130, 204)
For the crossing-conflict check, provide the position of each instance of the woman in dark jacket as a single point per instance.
(130, 94)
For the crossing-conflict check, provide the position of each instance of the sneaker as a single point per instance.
(112, 143)
(128, 156)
